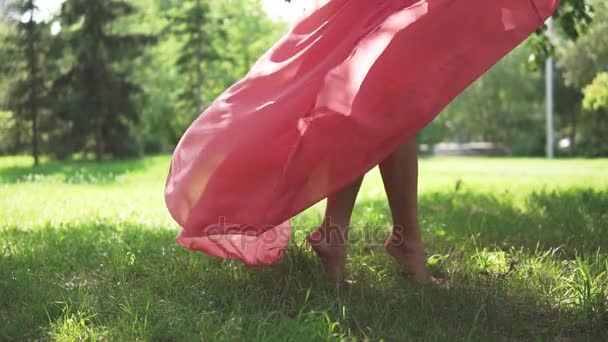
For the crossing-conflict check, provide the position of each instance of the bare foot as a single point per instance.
(331, 255)
(410, 254)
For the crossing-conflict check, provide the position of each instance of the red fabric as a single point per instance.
(334, 97)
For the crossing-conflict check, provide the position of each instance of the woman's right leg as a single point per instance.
(330, 240)
(400, 177)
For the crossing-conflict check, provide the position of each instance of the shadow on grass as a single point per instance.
(127, 282)
(573, 221)
(75, 172)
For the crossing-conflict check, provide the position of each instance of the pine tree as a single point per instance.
(98, 98)
(193, 26)
(26, 51)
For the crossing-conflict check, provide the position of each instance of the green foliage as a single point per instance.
(595, 126)
(596, 94)
(574, 16)
(435, 132)
(587, 56)
(97, 98)
(88, 252)
(215, 44)
(7, 131)
(584, 62)
(503, 106)
(111, 96)
(572, 19)
(197, 33)
(249, 33)
(236, 33)
(25, 53)
(507, 104)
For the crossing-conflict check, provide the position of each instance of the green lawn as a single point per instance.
(88, 253)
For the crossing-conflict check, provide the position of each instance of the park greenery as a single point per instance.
(120, 78)
(97, 94)
(88, 252)
(123, 78)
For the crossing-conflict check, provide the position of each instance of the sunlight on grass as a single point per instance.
(75, 325)
(88, 253)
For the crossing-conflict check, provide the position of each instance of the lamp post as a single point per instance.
(549, 95)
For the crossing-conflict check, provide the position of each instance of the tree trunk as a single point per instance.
(99, 143)
(573, 135)
(35, 95)
(35, 149)
(17, 142)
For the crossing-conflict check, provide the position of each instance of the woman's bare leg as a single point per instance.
(400, 177)
(330, 240)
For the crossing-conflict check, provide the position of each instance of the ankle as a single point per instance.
(333, 236)
(401, 235)
(410, 244)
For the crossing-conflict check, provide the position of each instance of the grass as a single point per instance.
(88, 253)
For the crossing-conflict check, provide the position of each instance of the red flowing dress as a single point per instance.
(348, 84)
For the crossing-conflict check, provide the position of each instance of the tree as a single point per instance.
(248, 33)
(584, 58)
(239, 31)
(572, 18)
(596, 94)
(581, 61)
(595, 104)
(9, 135)
(26, 50)
(193, 27)
(215, 44)
(98, 100)
(503, 106)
